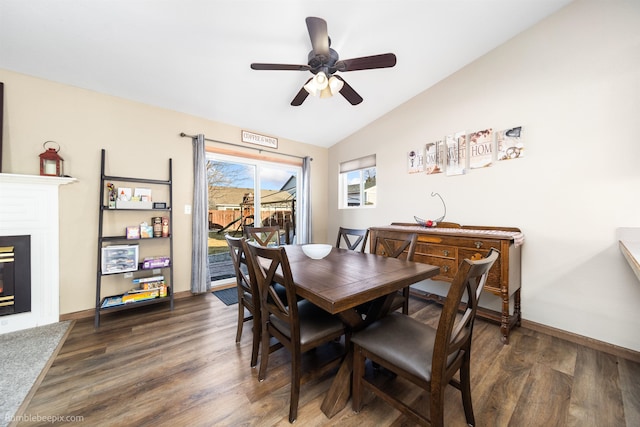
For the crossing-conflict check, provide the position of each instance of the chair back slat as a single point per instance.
(264, 236)
(353, 238)
(387, 243)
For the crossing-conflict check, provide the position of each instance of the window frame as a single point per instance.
(346, 171)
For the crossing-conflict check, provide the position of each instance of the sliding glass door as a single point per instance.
(244, 193)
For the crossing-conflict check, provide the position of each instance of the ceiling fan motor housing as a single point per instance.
(319, 62)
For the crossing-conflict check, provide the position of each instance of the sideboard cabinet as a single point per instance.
(446, 247)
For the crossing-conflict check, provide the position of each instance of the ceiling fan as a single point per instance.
(324, 62)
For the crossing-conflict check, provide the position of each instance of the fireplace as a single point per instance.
(29, 207)
(15, 274)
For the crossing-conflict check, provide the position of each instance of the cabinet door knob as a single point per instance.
(478, 245)
(445, 268)
(445, 252)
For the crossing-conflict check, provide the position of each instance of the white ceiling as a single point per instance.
(193, 56)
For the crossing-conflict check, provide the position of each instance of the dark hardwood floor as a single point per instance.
(154, 367)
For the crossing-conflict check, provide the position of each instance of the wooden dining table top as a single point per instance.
(345, 279)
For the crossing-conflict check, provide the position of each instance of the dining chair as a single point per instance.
(389, 244)
(347, 235)
(298, 325)
(264, 236)
(427, 357)
(248, 294)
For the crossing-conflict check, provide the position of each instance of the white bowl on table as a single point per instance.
(316, 250)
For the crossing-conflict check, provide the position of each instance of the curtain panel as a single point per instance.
(304, 204)
(200, 275)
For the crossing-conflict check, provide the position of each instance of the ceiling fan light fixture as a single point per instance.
(326, 93)
(324, 87)
(335, 84)
(317, 84)
(321, 80)
(333, 88)
(311, 88)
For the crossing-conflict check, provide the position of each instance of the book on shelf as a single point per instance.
(141, 290)
(112, 301)
(130, 297)
(140, 296)
(148, 279)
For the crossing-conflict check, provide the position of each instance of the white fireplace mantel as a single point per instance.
(29, 206)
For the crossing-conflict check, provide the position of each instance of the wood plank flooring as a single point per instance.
(154, 367)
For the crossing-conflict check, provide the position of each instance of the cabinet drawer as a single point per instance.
(448, 266)
(436, 250)
(478, 243)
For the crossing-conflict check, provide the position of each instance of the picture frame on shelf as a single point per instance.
(133, 232)
(124, 194)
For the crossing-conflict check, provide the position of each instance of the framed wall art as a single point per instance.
(480, 148)
(456, 145)
(415, 161)
(510, 144)
(435, 155)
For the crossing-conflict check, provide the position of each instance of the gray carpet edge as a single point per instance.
(24, 355)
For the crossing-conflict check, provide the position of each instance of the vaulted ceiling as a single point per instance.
(194, 56)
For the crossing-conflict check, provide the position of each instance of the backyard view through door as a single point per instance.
(245, 193)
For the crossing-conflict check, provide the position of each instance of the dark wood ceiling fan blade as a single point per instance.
(301, 96)
(384, 60)
(287, 67)
(319, 36)
(349, 93)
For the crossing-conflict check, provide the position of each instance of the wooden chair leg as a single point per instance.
(436, 407)
(256, 344)
(296, 373)
(240, 321)
(465, 389)
(264, 357)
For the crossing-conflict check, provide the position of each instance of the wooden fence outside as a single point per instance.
(222, 218)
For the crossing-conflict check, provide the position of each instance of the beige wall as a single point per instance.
(138, 139)
(573, 82)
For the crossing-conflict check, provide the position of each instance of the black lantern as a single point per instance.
(50, 162)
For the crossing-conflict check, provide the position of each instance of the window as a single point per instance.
(358, 183)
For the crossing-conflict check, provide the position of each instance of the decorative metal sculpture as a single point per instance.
(429, 223)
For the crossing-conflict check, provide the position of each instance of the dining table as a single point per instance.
(342, 283)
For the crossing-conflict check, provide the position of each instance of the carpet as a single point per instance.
(227, 296)
(25, 357)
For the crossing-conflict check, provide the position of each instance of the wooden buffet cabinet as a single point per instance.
(447, 246)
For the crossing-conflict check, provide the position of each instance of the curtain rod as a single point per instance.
(184, 135)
